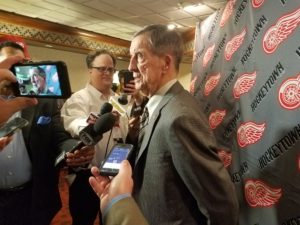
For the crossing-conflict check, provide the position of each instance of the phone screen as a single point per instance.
(111, 165)
(11, 126)
(42, 79)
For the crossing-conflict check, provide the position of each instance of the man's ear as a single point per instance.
(167, 62)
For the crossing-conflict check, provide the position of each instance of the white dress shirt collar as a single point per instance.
(158, 96)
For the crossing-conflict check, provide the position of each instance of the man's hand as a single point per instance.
(80, 157)
(107, 189)
(9, 107)
(4, 141)
(134, 125)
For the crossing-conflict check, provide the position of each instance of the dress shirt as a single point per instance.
(157, 97)
(75, 112)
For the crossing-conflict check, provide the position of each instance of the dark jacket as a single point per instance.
(45, 138)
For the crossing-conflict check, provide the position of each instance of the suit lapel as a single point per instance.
(155, 117)
(28, 114)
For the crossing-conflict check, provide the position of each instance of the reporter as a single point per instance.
(117, 205)
(29, 192)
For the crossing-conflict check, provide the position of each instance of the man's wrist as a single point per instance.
(114, 201)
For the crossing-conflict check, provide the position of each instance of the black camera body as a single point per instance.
(45, 79)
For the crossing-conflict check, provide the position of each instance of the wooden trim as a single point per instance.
(36, 30)
(55, 27)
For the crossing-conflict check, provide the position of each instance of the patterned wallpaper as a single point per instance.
(75, 41)
(60, 38)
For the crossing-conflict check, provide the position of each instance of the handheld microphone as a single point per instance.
(92, 133)
(106, 108)
(120, 103)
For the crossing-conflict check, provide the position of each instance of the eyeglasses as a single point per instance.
(104, 69)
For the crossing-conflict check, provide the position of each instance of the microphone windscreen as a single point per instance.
(123, 99)
(104, 123)
(106, 108)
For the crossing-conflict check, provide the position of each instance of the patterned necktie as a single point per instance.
(143, 123)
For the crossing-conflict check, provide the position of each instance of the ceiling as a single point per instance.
(115, 18)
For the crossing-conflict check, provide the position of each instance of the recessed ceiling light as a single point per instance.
(187, 6)
(171, 26)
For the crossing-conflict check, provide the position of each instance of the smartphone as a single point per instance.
(111, 165)
(46, 79)
(128, 76)
(11, 126)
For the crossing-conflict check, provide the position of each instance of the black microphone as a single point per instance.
(92, 133)
(106, 108)
(123, 99)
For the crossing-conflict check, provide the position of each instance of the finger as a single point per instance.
(95, 171)
(7, 75)
(9, 61)
(95, 186)
(125, 169)
(5, 141)
(20, 103)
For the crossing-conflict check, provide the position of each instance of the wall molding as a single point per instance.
(73, 39)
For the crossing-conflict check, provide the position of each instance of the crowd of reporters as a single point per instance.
(174, 176)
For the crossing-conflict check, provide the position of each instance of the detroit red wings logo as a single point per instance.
(208, 55)
(276, 34)
(211, 83)
(289, 93)
(257, 3)
(233, 45)
(244, 84)
(249, 133)
(192, 85)
(259, 194)
(227, 12)
(226, 157)
(216, 117)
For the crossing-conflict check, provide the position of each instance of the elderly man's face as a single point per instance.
(38, 80)
(147, 67)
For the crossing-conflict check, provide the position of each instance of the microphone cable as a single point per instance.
(108, 143)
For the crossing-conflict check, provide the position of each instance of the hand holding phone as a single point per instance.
(111, 165)
(46, 79)
(128, 77)
(11, 126)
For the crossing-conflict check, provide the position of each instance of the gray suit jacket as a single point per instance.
(178, 176)
(125, 212)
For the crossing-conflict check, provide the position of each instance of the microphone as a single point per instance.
(92, 133)
(106, 108)
(120, 103)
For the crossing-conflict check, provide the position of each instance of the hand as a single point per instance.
(117, 115)
(9, 107)
(134, 126)
(107, 189)
(129, 88)
(5, 141)
(80, 157)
